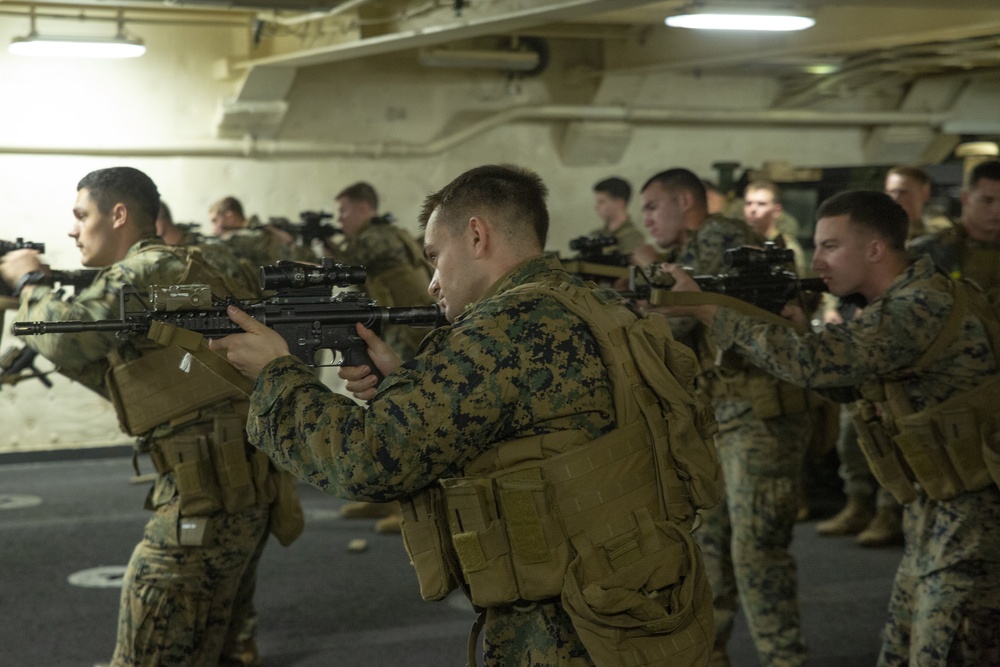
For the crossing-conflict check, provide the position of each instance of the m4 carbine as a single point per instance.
(758, 276)
(303, 310)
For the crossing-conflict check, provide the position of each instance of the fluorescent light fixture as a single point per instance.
(706, 20)
(77, 47)
(118, 46)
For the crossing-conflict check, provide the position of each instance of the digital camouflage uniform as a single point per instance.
(256, 245)
(219, 256)
(745, 539)
(628, 237)
(959, 256)
(397, 276)
(176, 600)
(945, 603)
(512, 366)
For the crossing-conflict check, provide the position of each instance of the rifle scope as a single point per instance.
(596, 243)
(296, 275)
(746, 257)
(20, 244)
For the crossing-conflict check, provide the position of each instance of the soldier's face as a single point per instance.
(458, 280)
(760, 210)
(663, 215)
(92, 231)
(909, 194)
(841, 256)
(353, 215)
(981, 211)
(607, 207)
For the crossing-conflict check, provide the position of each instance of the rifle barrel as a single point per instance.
(69, 326)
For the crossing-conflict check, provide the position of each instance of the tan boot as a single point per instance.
(886, 529)
(849, 521)
(363, 510)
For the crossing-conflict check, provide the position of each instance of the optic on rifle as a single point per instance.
(296, 275)
(746, 257)
(589, 244)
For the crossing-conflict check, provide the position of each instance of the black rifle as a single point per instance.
(18, 364)
(759, 276)
(10, 246)
(302, 310)
(310, 228)
(20, 244)
(597, 258)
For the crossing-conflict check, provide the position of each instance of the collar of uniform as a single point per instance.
(530, 270)
(144, 243)
(920, 269)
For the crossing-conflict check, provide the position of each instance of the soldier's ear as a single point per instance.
(480, 235)
(119, 215)
(877, 249)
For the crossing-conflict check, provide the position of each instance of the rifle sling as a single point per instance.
(665, 297)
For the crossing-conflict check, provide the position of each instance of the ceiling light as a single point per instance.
(119, 46)
(751, 20)
(77, 47)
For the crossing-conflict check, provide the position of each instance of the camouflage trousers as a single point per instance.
(178, 602)
(540, 636)
(745, 539)
(949, 618)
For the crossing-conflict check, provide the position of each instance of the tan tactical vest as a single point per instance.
(191, 405)
(604, 525)
(950, 448)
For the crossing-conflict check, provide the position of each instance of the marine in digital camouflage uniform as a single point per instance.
(746, 538)
(945, 604)
(611, 198)
(242, 272)
(512, 365)
(397, 272)
(176, 600)
(242, 279)
(971, 249)
(261, 246)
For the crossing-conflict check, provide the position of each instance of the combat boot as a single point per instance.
(886, 529)
(851, 520)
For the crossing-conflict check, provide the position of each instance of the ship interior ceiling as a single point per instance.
(912, 63)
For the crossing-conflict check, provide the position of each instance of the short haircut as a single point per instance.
(763, 184)
(681, 180)
(989, 169)
(128, 186)
(874, 211)
(616, 187)
(512, 197)
(227, 204)
(915, 174)
(360, 192)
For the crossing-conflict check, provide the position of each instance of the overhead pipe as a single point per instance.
(250, 147)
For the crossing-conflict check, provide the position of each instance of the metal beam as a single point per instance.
(460, 28)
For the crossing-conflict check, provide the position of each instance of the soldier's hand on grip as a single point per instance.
(361, 381)
(249, 352)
